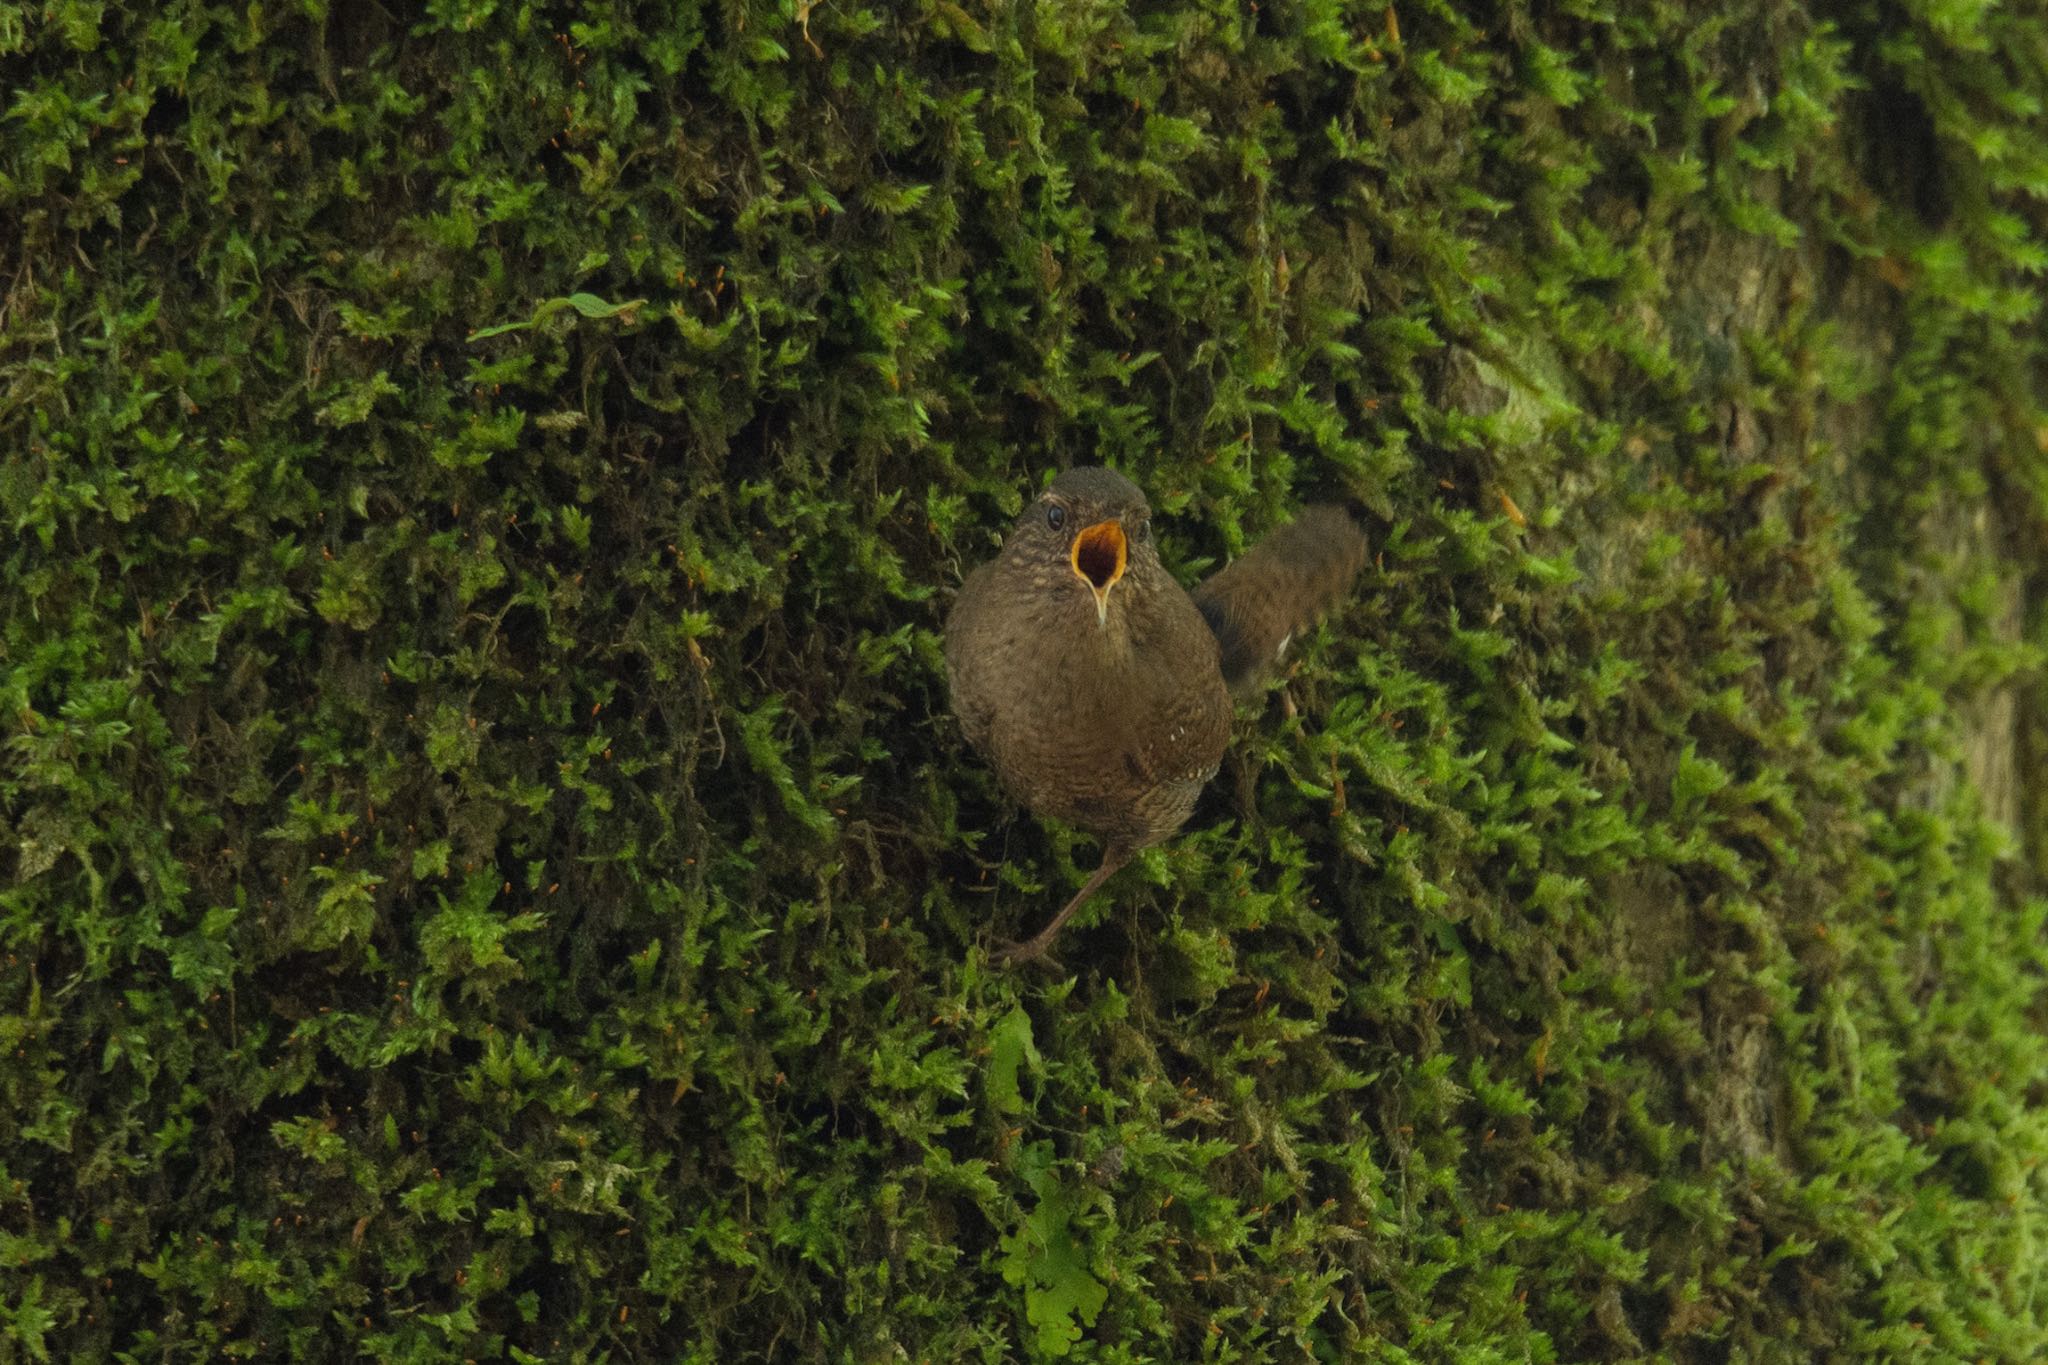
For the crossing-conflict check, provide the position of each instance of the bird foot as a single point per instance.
(1036, 950)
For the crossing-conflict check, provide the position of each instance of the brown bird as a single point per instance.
(1096, 685)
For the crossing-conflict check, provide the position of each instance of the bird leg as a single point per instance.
(1113, 857)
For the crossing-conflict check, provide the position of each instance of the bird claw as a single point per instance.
(1032, 950)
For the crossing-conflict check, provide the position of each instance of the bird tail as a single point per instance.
(1256, 604)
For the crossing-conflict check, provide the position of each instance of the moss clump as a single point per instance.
(483, 867)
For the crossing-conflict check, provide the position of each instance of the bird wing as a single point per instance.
(1174, 711)
(1185, 739)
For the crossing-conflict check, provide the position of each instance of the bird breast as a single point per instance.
(1112, 728)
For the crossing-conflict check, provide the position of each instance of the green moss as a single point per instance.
(486, 867)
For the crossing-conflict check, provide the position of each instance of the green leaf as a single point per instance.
(589, 305)
(1043, 1258)
(1009, 1044)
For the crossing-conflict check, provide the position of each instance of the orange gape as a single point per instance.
(1100, 553)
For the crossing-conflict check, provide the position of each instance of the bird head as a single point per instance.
(1094, 524)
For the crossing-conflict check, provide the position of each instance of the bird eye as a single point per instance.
(1055, 516)
(1144, 531)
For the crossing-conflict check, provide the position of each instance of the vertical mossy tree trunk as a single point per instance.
(485, 869)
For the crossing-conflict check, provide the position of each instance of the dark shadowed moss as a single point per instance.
(485, 869)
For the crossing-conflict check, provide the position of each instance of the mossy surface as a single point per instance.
(485, 867)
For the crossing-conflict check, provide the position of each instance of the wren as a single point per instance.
(1098, 688)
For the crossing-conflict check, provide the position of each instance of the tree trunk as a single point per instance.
(485, 863)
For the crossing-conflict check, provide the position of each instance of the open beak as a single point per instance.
(1100, 552)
